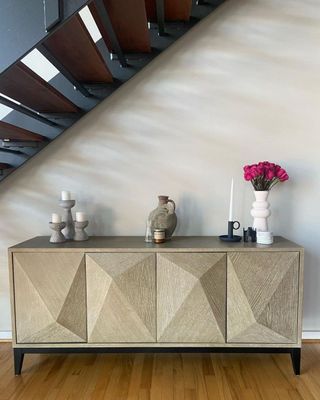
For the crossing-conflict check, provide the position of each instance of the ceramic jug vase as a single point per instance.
(164, 216)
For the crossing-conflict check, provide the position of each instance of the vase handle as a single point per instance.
(173, 203)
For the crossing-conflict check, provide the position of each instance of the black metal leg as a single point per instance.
(18, 360)
(296, 360)
(161, 17)
(20, 352)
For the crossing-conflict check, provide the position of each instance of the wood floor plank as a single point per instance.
(160, 376)
(105, 367)
(188, 376)
(155, 378)
(201, 390)
(167, 377)
(55, 377)
(178, 383)
(224, 390)
(135, 379)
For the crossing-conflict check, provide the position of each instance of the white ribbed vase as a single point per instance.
(260, 211)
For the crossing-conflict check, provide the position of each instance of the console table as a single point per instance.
(113, 294)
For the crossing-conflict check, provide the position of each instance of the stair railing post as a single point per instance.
(161, 17)
(52, 13)
(104, 15)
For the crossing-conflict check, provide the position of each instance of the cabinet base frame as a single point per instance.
(19, 353)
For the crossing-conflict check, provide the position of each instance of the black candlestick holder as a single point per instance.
(230, 237)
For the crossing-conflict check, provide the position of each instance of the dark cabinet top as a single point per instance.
(137, 244)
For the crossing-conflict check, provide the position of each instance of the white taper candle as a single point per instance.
(231, 202)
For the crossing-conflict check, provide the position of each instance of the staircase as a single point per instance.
(133, 32)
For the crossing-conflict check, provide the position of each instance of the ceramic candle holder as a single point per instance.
(67, 218)
(230, 237)
(80, 233)
(57, 236)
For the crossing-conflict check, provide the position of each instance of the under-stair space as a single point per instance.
(131, 33)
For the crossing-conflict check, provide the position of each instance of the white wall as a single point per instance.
(243, 86)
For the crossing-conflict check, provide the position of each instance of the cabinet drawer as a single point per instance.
(121, 297)
(191, 297)
(262, 297)
(49, 296)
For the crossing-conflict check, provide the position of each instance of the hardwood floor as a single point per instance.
(161, 376)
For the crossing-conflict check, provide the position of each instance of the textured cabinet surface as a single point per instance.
(262, 297)
(189, 292)
(121, 297)
(191, 297)
(50, 297)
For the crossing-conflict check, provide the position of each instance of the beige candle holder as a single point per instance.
(80, 234)
(57, 236)
(67, 217)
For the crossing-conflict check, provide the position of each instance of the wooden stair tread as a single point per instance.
(71, 49)
(74, 48)
(12, 132)
(175, 10)
(23, 85)
(129, 21)
(5, 166)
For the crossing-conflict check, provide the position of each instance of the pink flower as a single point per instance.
(282, 175)
(264, 175)
(270, 174)
(260, 169)
(248, 176)
(277, 168)
(254, 171)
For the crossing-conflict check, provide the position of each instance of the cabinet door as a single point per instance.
(121, 294)
(50, 299)
(262, 297)
(191, 297)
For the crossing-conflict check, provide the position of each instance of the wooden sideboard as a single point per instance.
(112, 294)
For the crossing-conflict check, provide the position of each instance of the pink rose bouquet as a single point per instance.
(264, 175)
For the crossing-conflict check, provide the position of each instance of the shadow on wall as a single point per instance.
(190, 216)
(101, 220)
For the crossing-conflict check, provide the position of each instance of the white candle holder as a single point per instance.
(67, 218)
(80, 233)
(57, 236)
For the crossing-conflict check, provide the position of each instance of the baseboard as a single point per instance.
(5, 335)
(306, 335)
(311, 335)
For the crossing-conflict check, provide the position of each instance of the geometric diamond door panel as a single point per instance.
(262, 297)
(191, 297)
(121, 297)
(50, 297)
